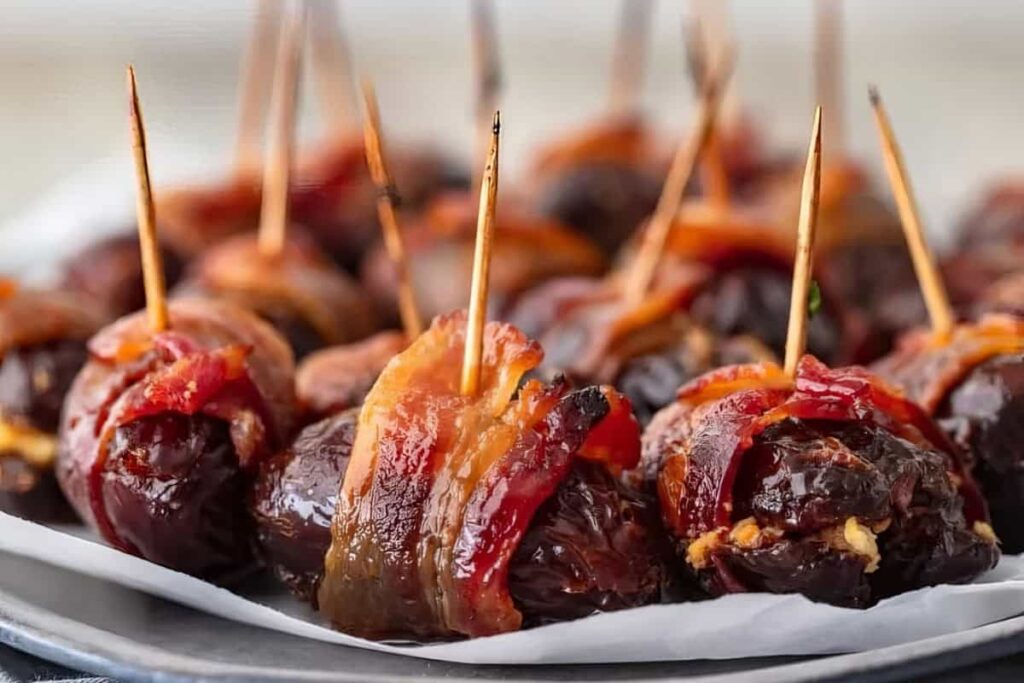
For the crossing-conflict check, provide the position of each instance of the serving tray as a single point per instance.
(105, 629)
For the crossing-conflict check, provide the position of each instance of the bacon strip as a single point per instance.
(216, 359)
(928, 369)
(720, 414)
(441, 487)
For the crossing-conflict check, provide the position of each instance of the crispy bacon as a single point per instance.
(441, 487)
(927, 369)
(216, 360)
(719, 416)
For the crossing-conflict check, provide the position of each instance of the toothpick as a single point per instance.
(487, 75)
(152, 265)
(641, 274)
(714, 174)
(332, 67)
(481, 267)
(386, 200)
(629, 57)
(796, 334)
(828, 70)
(257, 65)
(277, 170)
(930, 280)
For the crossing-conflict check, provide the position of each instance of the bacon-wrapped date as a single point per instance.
(42, 347)
(647, 352)
(832, 485)
(297, 290)
(162, 433)
(973, 384)
(110, 272)
(490, 504)
(602, 183)
(527, 251)
(861, 253)
(739, 272)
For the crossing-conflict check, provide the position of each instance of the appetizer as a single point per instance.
(167, 421)
(43, 336)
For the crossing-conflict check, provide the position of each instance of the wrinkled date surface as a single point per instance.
(594, 546)
(985, 415)
(294, 500)
(173, 490)
(802, 479)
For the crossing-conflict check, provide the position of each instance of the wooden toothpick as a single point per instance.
(629, 57)
(714, 174)
(641, 273)
(332, 67)
(386, 199)
(487, 75)
(481, 267)
(277, 170)
(152, 265)
(930, 280)
(257, 65)
(796, 334)
(828, 70)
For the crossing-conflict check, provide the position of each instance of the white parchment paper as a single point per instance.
(734, 626)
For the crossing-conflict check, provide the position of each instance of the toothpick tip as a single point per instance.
(873, 95)
(496, 123)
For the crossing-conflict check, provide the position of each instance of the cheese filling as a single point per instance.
(37, 448)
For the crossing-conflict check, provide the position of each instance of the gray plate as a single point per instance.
(109, 630)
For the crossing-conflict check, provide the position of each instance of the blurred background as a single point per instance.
(950, 72)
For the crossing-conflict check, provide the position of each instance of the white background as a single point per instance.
(950, 70)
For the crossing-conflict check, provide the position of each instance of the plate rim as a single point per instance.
(51, 636)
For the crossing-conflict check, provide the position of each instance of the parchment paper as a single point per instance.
(734, 626)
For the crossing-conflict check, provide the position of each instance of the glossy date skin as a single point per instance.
(984, 414)
(294, 498)
(604, 201)
(33, 382)
(173, 488)
(805, 477)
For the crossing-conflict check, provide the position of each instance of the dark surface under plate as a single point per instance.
(105, 629)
